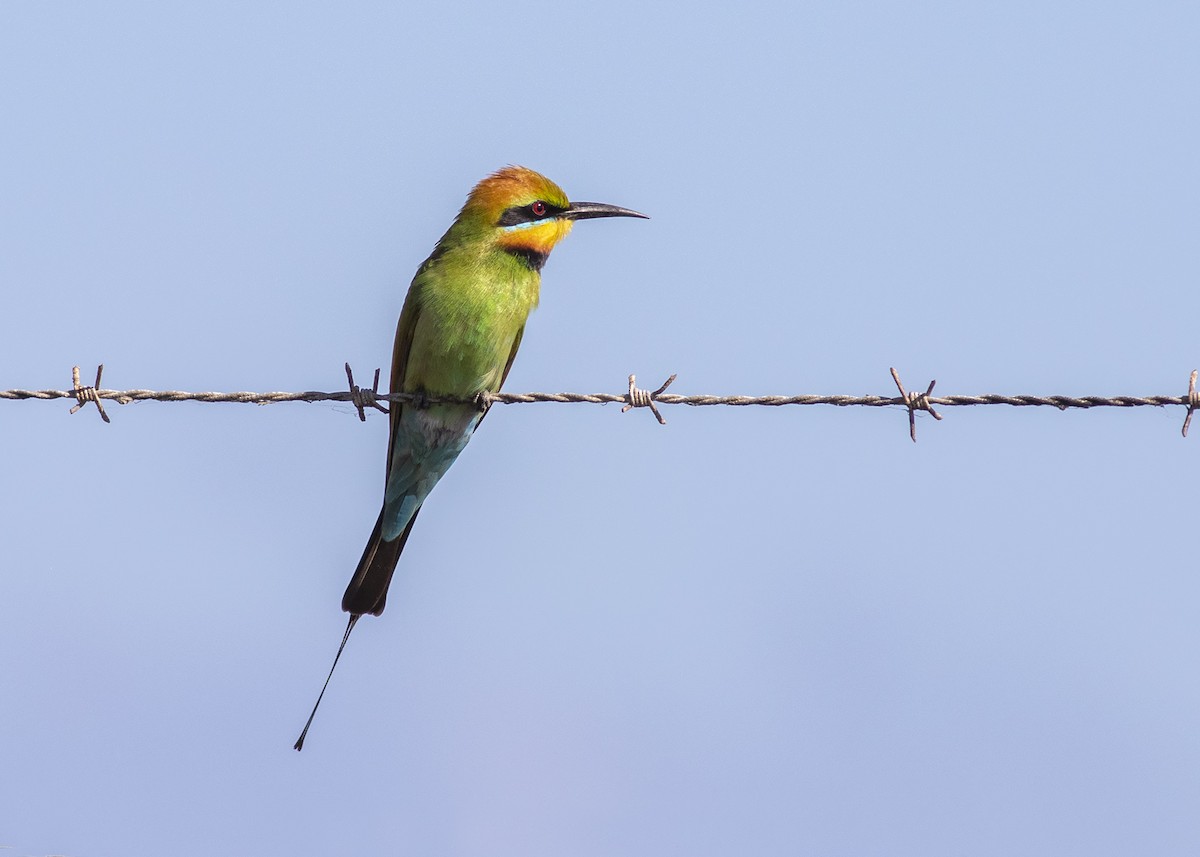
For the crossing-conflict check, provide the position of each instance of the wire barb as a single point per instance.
(1193, 401)
(83, 395)
(915, 402)
(361, 398)
(639, 398)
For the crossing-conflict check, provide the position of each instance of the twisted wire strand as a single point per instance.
(268, 398)
(363, 397)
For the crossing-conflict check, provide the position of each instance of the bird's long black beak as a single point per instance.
(588, 210)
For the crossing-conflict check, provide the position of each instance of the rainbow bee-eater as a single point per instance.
(457, 337)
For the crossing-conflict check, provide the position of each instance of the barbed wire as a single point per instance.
(635, 397)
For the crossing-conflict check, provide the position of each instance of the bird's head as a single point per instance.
(526, 214)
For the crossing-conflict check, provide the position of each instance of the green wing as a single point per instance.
(405, 328)
(512, 355)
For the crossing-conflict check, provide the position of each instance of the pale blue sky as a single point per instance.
(753, 631)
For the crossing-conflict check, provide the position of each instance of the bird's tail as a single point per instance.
(367, 592)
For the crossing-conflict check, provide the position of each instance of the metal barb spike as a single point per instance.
(83, 395)
(915, 402)
(361, 398)
(1193, 402)
(639, 398)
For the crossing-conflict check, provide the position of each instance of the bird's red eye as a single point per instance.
(538, 208)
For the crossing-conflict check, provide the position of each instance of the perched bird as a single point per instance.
(457, 336)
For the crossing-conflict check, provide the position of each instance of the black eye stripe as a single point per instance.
(526, 213)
